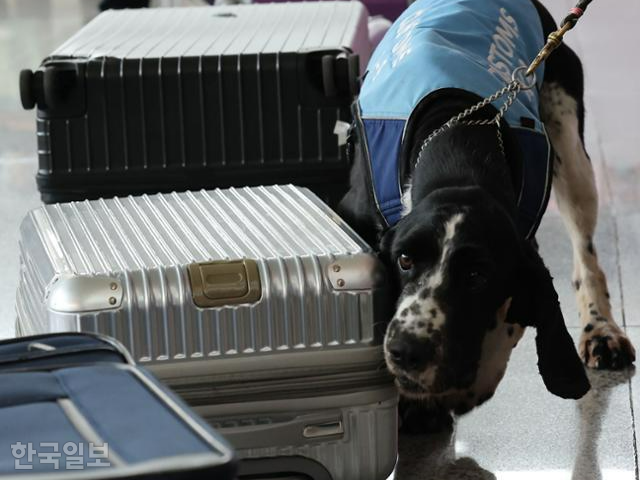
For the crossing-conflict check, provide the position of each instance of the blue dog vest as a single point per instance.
(465, 44)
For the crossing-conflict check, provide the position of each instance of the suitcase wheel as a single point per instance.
(341, 75)
(27, 96)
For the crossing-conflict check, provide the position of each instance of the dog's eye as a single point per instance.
(405, 262)
(475, 280)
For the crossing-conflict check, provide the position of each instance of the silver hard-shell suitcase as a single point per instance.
(259, 306)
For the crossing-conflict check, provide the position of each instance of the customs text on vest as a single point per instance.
(465, 44)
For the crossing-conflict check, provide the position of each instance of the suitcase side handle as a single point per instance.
(302, 429)
(225, 283)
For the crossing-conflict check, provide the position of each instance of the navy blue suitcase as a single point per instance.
(75, 406)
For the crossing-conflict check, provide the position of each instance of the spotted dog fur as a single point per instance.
(466, 281)
(421, 320)
(422, 304)
(420, 315)
(603, 344)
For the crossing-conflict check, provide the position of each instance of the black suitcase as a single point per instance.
(157, 100)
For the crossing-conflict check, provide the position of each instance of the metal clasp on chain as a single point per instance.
(519, 81)
(521, 76)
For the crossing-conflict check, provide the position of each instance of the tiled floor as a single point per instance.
(523, 432)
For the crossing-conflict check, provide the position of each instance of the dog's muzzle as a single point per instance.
(409, 386)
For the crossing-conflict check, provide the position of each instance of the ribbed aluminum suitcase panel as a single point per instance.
(353, 436)
(319, 279)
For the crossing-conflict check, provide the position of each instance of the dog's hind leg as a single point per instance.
(603, 344)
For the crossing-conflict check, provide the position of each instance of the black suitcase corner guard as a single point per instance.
(341, 75)
(57, 89)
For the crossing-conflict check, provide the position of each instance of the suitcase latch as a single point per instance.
(219, 284)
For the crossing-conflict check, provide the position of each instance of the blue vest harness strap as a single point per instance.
(463, 44)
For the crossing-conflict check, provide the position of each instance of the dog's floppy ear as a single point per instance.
(385, 244)
(536, 304)
(385, 241)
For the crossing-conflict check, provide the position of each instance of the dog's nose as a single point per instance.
(409, 353)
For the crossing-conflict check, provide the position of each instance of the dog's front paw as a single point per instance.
(416, 418)
(606, 347)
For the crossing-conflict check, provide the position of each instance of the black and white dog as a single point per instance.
(468, 280)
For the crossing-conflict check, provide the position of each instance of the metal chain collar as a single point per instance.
(515, 85)
(511, 89)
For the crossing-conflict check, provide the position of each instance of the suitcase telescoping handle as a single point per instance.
(316, 427)
(319, 427)
(224, 283)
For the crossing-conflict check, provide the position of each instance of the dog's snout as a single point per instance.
(409, 353)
